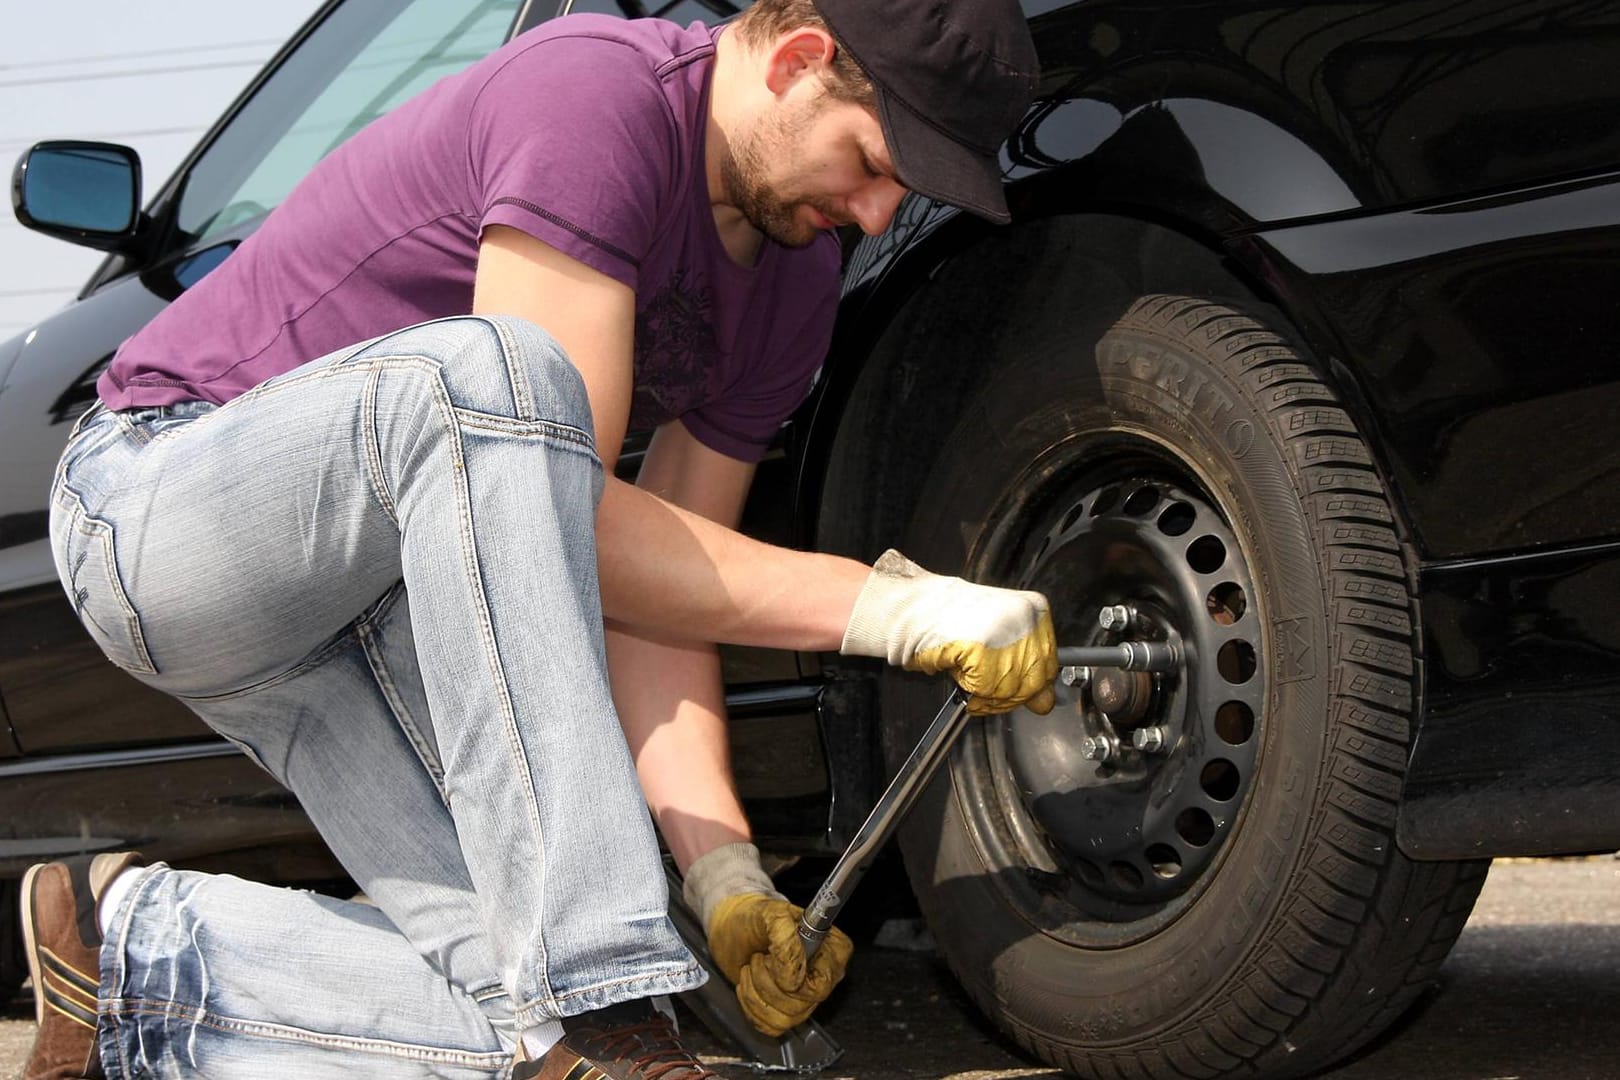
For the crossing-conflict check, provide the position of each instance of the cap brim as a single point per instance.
(932, 163)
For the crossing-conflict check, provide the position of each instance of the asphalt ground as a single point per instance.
(1531, 992)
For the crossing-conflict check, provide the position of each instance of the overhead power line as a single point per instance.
(131, 73)
(143, 54)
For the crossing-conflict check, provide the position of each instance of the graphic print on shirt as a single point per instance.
(675, 353)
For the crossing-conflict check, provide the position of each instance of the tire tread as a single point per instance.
(1371, 916)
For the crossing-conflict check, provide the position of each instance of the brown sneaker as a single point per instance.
(593, 1049)
(63, 943)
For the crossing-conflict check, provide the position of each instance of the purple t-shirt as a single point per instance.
(586, 133)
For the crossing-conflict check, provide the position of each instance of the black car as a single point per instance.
(1300, 353)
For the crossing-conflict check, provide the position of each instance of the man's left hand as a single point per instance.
(753, 934)
(754, 940)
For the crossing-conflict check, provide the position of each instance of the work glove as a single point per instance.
(997, 643)
(753, 937)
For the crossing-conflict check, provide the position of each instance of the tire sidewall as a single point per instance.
(1033, 414)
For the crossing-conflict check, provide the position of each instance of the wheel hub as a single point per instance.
(1131, 785)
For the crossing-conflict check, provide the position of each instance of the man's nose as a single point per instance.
(874, 205)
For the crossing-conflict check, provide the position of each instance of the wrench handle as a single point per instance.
(908, 783)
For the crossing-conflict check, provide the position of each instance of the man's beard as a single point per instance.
(743, 172)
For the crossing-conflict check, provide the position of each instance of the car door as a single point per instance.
(355, 60)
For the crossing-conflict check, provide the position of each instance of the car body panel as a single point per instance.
(1520, 742)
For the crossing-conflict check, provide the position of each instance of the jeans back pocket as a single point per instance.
(86, 560)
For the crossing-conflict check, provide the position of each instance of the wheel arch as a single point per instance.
(909, 358)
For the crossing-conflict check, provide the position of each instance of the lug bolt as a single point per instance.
(1098, 748)
(1114, 617)
(1074, 676)
(1150, 740)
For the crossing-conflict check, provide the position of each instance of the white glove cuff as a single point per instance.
(726, 871)
(878, 626)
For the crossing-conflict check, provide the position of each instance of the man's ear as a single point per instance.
(805, 51)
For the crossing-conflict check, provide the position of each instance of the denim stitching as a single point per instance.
(373, 365)
(469, 550)
(92, 530)
(365, 630)
(132, 431)
(549, 1007)
(503, 425)
(373, 447)
(522, 399)
(134, 1008)
(315, 659)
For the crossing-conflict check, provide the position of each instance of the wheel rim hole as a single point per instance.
(1234, 723)
(1071, 517)
(1177, 519)
(1124, 875)
(1219, 780)
(1106, 498)
(1141, 501)
(1195, 826)
(1236, 662)
(1226, 603)
(1165, 860)
(1206, 554)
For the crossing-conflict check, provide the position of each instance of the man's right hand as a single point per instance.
(997, 643)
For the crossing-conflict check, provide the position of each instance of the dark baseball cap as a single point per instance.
(953, 79)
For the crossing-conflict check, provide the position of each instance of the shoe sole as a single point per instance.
(30, 940)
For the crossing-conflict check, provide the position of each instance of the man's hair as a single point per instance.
(767, 19)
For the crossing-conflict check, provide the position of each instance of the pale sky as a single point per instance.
(152, 74)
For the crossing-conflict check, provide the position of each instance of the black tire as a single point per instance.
(1265, 924)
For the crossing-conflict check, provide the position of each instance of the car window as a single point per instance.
(366, 58)
(681, 11)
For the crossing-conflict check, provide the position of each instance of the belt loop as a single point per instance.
(96, 407)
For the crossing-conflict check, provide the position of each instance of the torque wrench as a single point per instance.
(919, 768)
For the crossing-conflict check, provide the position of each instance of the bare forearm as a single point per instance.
(672, 707)
(676, 573)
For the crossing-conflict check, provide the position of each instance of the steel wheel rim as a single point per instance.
(1112, 853)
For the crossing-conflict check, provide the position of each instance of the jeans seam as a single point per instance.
(117, 972)
(102, 534)
(548, 1006)
(314, 659)
(373, 367)
(505, 425)
(522, 398)
(389, 689)
(135, 1008)
(492, 654)
(373, 447)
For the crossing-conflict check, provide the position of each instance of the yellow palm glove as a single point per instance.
(997, 643)
(753, 937)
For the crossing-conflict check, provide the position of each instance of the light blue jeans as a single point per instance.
(376, 574)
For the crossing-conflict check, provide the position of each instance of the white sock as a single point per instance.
(113, 895)
(540, 1038)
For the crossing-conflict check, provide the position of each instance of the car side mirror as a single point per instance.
(83, 192)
